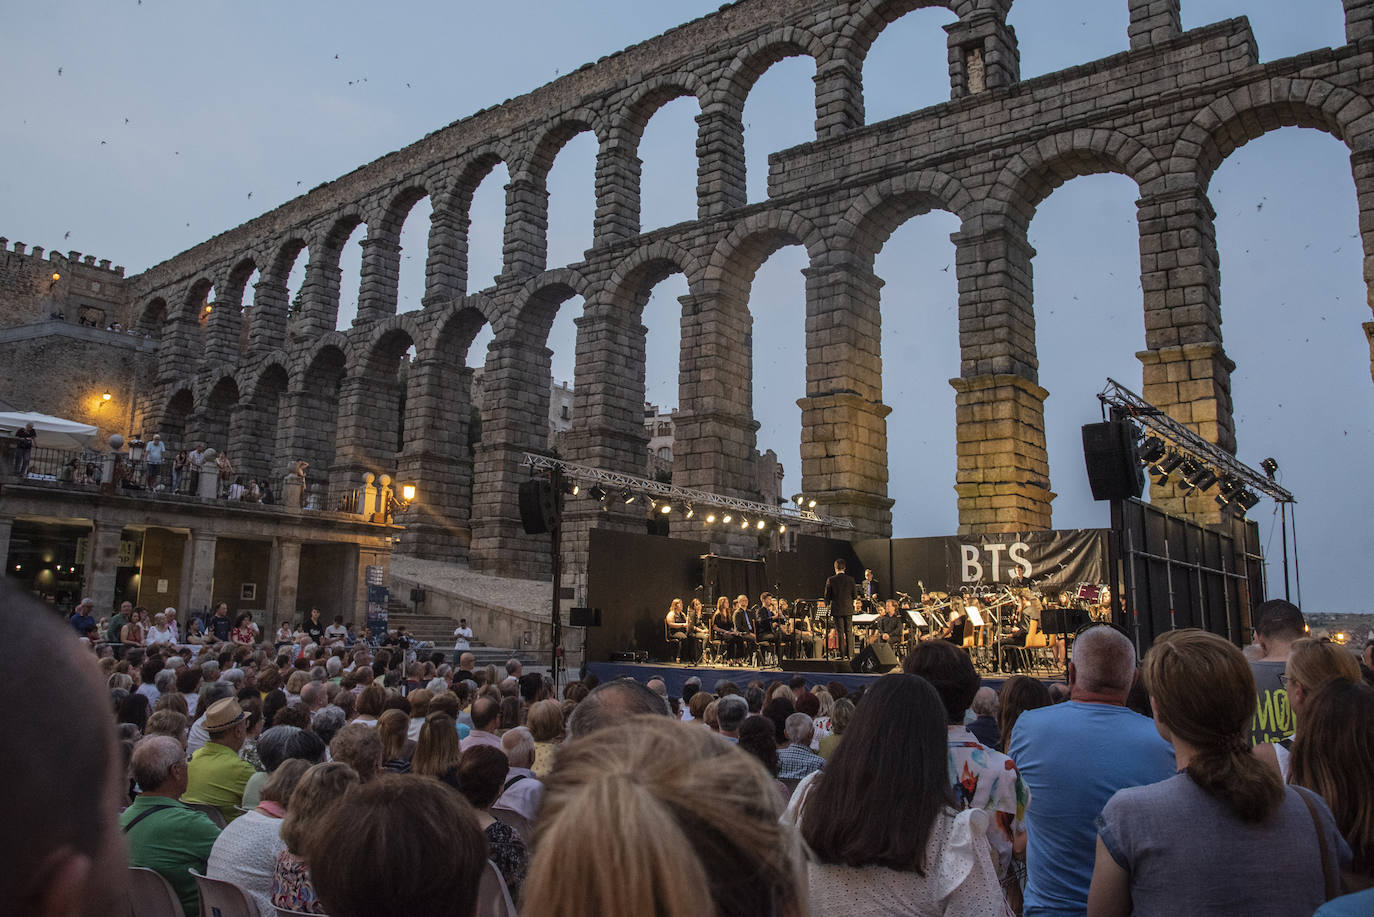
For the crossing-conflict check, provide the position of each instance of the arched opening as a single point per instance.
(777, 309)
(314, 402)
(562, 341)
(919, 304)
(247, 293)
(1088, 323)
(907, 66)
(486, 231)
(663, 356)
(414, 255)
(200, 303)
(571, 185)
(174, 419)
(212, 422)
(668, 176)
(350, 261)
(152, 319)
(772, 113)
(1281, 29)
(1073, 32)
(1293, 301)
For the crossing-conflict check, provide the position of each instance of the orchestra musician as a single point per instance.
(809, 641)
(840, 592)
(868, 590)
(697, 632)
(675, 628)
(744, 627)
(766, 623)
(890, 626)
(723, 628)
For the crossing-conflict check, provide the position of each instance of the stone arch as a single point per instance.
(737, 257)
(325, 352)
(1036, 171)
(1252, 111)
(635, 277)
(379, 345)
(214, 411)
(456, 327)
(251, 379)
(863, 27)
(151, 318)
(447, 266)
(754, 59)
(629, 121)
(538, 302)
(257, 440)
(878, 212)
(227, 320)
(320, 295)
(310, 412)
(540, 155)
(271, 301)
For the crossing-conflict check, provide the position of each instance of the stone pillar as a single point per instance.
(198, 580)
(1362, 168)
(515, 420)
(608, 393)
(102, 564)
(1369, 333)
(355, 445)
(1003, 467)
(720, 162)
(6, 527)
(380, 279)
(983, 54)
(267, 327)
(1154, 22)
(839, 98)
(844, 426)
(1359, 20)
(438, 461)
(526, 248)
(446, 271)
(222, 331)
(618, 170)
(1186, 371)
(317, 311)
(284, 578)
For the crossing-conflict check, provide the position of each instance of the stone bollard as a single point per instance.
(209, 476)
(292, 492)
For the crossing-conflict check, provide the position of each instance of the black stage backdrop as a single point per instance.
(632, 577)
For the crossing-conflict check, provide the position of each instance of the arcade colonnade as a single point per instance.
(275, 381)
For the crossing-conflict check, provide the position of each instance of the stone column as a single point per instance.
(618, 170)
(222, 331)
(284, 577)
(839, 98)
(6, 527)
(1003, 467)
(267, 327)
(446, 271)
(608, 393)
(1359, 20)
(1186, 371)
(318, 310)
(515, 420)
(720, 162)
(437, 461)
(356, 449)
(983, 54)
(102, 563)
(1362, 168)
(381, 278)
(844, 426)
(1154, 22)
(526, 248)
(199, 579)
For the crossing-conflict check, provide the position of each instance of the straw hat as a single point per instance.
(223, 714)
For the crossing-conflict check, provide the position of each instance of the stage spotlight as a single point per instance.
(1187, 471)
(1204, 479)
(1244, 502)
(1152, 450)
(597, 492)
(727, 518)
(710, 518)
(762, 525)
(743, 523)
(1167, 465)
(1227, 492)
(666, 508)
(782, 529)
(687, 511)
(1270, 467)
(811, 504)
(799, 499)
(627, 496)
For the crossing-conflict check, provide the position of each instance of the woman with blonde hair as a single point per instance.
(1311, 664)
(393, 727)
(1159, 845)
(680, 824)
(437, 752)
(318, 790)
(545, 722)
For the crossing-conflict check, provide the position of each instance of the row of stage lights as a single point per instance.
(1194, 476)
(626, 497)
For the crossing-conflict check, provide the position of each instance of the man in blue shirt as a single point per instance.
(82, 620)
(1073, 757)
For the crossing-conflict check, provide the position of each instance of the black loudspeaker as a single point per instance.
(1114, 470)
(817, 665)
(876, 659)
(538, 509)
(584, 617)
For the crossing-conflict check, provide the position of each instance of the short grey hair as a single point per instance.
(798, 728)
(333, 666)
(327, 721)
(518, 744)
(210, 670)
(731, 711)
(154, 758)
(512, 666)
(233, 675)
(165, 681)
(214, 691)
(437, 685)
(318, 673)
(985, 702)
(121, 680)
(1104, 661)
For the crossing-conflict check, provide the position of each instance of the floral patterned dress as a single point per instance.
(291, 887)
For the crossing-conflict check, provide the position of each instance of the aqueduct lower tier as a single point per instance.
(284, 385)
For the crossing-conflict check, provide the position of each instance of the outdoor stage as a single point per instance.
(675, 675)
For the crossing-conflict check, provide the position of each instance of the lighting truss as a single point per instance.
(613, 482)
(1131, 405)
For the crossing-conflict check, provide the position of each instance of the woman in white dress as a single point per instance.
(245, 853)
(880, 823)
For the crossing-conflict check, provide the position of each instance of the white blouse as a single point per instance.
(245, 853)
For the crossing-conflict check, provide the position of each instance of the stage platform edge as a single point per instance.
(674, 676)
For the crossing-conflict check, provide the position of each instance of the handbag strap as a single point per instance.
(144, 814)
(1329, 874)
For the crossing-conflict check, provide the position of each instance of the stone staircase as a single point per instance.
(438, 630)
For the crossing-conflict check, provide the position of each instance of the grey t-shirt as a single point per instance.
(1187, 853)
(1273, 717)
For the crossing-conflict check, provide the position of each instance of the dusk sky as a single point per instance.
(142, 127)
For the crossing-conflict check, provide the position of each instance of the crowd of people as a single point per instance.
(334, 779)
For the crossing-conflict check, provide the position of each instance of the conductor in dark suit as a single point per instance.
(840, 592)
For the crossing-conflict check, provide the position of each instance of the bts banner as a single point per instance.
(1058, 558)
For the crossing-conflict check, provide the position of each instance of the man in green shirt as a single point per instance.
(217, 774)
(164, 834)
(121, 617)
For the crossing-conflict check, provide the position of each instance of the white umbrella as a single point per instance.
(53, 432)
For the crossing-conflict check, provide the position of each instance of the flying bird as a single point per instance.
(67, 234)
(59, 71)
(250, 193)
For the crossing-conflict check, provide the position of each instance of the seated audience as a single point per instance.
(399, 847)
(486, 718)
(218, 775)
(163, 833)
(523, 792)
(611, 704)
(682, 816)
(481, 778)
(841, 714)
(277, 746)
(1073, 756)
(756, 738)
(730, 713)
(545, 722)
(984, 725)
(393, 727)
(1159, 846)
(246, 851)
(321, 789)
(1019, 693)
(796, 760)
(360, 748)
(882, 823)
(437, 752)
